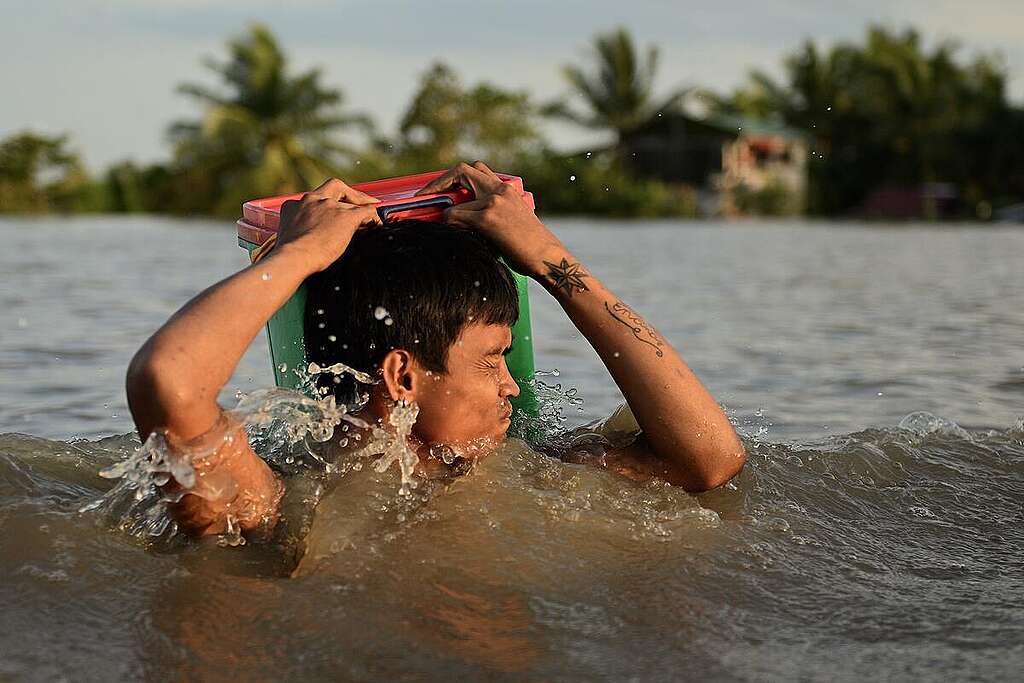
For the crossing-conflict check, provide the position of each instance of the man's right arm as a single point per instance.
(174, 379)
(173, 382)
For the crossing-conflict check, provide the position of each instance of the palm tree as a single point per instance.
(618, 89)
(447, 122)
(265, 132)
(890, 113)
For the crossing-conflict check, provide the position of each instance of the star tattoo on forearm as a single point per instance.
(567, 277)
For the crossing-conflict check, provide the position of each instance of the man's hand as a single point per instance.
(322, 223)
(682, 423)
(500, 213)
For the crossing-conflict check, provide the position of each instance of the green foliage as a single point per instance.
(774, 199)
(134, 189)
(447, 122)
(890, 113)
(598, 185)
(264, 132)
(617, 89)
(884, 113)
(39, 174)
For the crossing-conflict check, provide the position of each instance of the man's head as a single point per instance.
(427, 309)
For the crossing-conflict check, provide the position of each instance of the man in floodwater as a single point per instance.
(450, 307)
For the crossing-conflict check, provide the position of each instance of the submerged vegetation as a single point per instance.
(883, 122)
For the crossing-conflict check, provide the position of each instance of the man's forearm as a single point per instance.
(681, 421)
(174, 379)
(231, 481)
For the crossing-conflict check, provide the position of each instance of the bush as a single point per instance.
(597, 185)
(774, 199)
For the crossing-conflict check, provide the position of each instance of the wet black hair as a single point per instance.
(412, 285)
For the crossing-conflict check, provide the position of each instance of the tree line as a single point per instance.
(886, 112)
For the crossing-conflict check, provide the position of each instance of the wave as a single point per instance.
(905, 535)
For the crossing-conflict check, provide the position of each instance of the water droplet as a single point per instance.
(322, 325)
(589, 154)
(319, 311)
(828, 108)
(380, 313)
(332, 338)
(389, 321)
(572, 178)
(476, 283)
(616, 354)
(265, 276)
(283, 367)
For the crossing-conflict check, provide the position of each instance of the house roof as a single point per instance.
(752, 126)
(723, 124)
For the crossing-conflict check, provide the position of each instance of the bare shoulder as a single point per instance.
(638, 462)
(618, 445)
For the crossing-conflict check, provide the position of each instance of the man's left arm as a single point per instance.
(682, 423)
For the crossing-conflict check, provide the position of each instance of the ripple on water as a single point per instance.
(857, 540)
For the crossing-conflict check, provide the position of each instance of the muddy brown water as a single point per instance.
(875, 372)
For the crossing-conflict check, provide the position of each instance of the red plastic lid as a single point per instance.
(260, 217)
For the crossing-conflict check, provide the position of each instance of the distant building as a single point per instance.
(930, 201)
(739, 165)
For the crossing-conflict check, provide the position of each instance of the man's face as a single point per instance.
(468, 407)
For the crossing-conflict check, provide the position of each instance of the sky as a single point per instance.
(105, 71)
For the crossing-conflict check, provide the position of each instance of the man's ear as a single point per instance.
(399, 375)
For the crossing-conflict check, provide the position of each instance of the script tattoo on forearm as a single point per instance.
(641, 330)
(567, 277)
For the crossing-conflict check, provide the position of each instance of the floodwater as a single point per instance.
(876, 374)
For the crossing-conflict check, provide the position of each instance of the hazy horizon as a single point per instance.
(105, 71)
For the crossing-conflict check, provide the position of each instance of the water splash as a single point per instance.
(444, 453)
(923, 423)
(393, 446)
(553, 401)
(275, 420)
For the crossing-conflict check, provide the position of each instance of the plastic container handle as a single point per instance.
(386, 211)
